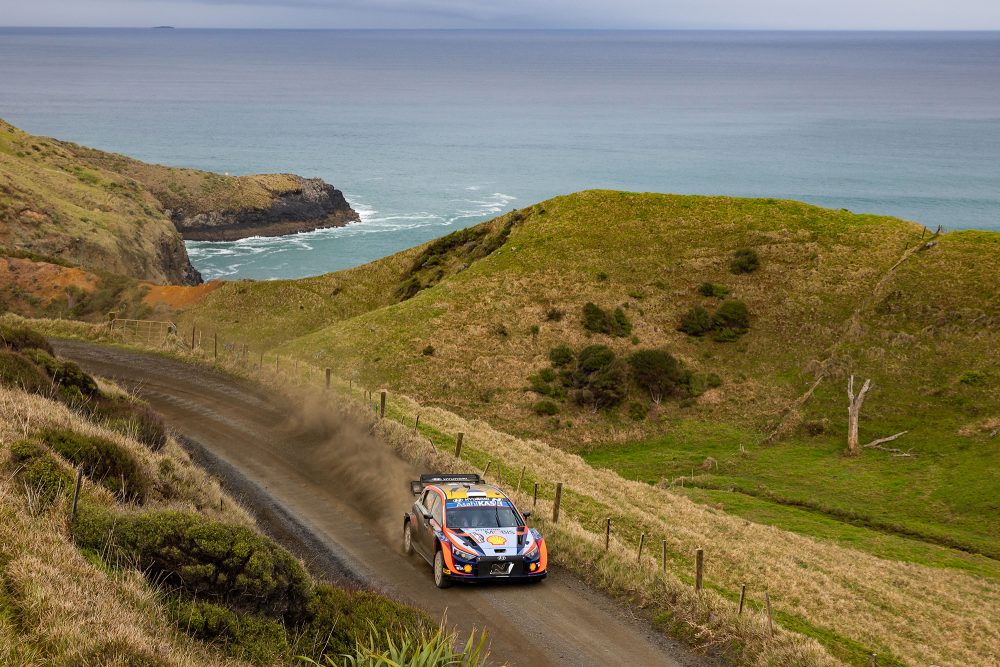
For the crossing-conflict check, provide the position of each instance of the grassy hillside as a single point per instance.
(160, 566)
(835, 293)
(53, 203)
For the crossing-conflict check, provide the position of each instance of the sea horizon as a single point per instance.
(427, 131)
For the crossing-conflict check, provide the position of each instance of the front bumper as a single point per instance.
(495, 568)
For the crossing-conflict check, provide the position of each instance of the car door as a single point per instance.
(421, 525)
(432, 524)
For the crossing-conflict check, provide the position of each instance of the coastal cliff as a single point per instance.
(315, 204)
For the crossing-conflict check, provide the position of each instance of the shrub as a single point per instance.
(547, 374)
(602, 276)
(534, 330)
(745, 260)
(546, 407)
(604, 388)
(133, 418)
(732, 315)
(39, 471)
(105, 462)
(658, 372)
(561, 355)
(696, 322)
(598, 320)
(249, 637)
(22, 338)
(972, 378)
(725, 335)
(712, 290)
(594, 358)
(637, 411)
(19, 372)
(428, 351)
(554, 314)
(409, 288)
(70, 377)
(210, 560)
(713, 380)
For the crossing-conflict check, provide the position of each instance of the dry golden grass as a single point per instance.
(56, 607)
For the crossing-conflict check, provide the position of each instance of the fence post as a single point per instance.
(555, 505)
(487, 469)
(277, 357)
(458, 445)
(215, 346)
(192, 337)
(874, 659)
(743, 595)
(381, 407)
(770, 619)
(663, 544)
(328, 372)
(699, 568)
(261, 365)
(416, 424)
(607, 535)
(520, 478)
(642, 541)
(76, 494)
(534, 501)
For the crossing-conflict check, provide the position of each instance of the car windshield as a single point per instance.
(483, 517)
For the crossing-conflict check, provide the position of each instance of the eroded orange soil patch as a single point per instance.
(178, 297)
(28, 286)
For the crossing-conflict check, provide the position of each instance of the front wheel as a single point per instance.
(407, 539)
(440, 580)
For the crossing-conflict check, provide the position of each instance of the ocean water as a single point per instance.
(431, 131)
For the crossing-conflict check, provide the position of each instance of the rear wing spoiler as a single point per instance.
(416, 486)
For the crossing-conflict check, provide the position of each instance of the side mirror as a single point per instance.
(526, 514)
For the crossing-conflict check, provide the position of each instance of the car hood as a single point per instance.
(493, 541)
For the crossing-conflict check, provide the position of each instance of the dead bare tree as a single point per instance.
(854, 413)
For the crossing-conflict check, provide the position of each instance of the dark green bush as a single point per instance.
(594, 358)
(561, 356)
(19, 372)
(209, 560)
(69, 376)
(547, 374)
(745, 260)
(712, 290)
(604, 388)
(428, 351)
(732, 315)
(36, 468)
(22, 338)
(545, 407)
(637, 411)
(251, 637)
(133, 418)
(696, 322)
(658, 372)
(598, 320)
(103, 461)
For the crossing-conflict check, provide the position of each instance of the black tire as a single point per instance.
(407, 539)
(440, 580)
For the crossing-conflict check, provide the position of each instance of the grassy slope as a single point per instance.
(825, 298)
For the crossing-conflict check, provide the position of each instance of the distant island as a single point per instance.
(163, 27)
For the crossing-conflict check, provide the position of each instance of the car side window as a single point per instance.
(435, 507)
(424, 499)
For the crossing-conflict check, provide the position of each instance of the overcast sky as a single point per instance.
(748, 14)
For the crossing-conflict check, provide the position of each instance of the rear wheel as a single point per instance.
(407, 538)
(440, 580)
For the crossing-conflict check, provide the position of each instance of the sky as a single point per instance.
(623, 14)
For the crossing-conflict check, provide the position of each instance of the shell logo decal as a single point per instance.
(496, 540)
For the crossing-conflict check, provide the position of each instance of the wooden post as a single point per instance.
(261, 365)
(192, 337)
(381, 406)
(743, 596)
(328, 372)
(215, 346)
(520, 478)
(76, 494)
(487, 468)
(458, 445)
(874, 659)
(277, 357)
(699, 568)
(534, 501)
(416, 424)
(642, 541)
(555, 505)
(607, 535)
(663, 545)
(770, 619)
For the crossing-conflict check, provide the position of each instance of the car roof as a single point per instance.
(463, 490)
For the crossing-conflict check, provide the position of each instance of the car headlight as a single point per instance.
(464, 555)
(532, 552)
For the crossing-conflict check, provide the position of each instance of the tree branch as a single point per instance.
(878, 442)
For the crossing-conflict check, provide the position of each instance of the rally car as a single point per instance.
(471, 531)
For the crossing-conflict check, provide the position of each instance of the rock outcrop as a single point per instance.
(314, 204)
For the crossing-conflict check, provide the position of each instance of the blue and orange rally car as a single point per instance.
(471, 531)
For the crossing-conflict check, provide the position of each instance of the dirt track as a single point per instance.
(288, 476)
